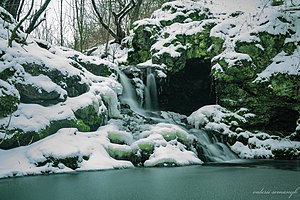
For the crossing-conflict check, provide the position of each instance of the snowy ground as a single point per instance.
(93, 150)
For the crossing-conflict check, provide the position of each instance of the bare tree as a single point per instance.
(118, 34)
(61, 24)
(14, 31)
(80, 15)
(34, 21)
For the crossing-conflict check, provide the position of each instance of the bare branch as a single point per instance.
(44, 19)
(20, 10)
(129, 8)
(14, 31)
(111, 32)
(36, 16)
(125, 9)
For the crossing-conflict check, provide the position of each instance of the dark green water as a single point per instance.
(255, 180)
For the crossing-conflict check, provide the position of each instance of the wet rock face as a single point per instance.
(188, 89)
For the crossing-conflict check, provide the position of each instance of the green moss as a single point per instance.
(71, 83)
(119, 154)
(22, 138)
(116, 138)
(146, 147)
(143, 39)
(89, 115)
(169, 136)
(98, 70)
(217, 46)
(80, 125)
(287, 86)
(71, 162)
(8, 104)
(7, 73)
(272, 45)
(289, 48)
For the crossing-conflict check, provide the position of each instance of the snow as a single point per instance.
(169, 141)
(212, 116)
(174, 154)
(7, 89)
(116, 53)
(262, 148)
(282, 64)
(23, 160)
(34, 117)
(44, 82)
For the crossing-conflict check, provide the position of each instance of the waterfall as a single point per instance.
(211, 149)
(151, 99)
(130, 98)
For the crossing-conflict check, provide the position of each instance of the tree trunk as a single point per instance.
(61, 23)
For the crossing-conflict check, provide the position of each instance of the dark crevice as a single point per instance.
(188, 89)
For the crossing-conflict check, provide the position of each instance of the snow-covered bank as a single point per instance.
(245, 144)
(71, 150)
(61, 110)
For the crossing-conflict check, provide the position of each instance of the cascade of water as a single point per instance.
(151, 99)
(209, 149)
(129, 96)
(212, 149)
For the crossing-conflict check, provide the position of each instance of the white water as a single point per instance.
(151, 99)
(213, 150)
(130, 98)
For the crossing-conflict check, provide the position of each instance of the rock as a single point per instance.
(71, 162)
(90, 116)
(73, 84)
(34, 94)
(286, 153)
(9, 98)
(142, 41)
(97, 68)
(18, 137)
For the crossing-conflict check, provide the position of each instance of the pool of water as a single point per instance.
(250, 180)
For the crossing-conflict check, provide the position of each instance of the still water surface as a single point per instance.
(251, 180)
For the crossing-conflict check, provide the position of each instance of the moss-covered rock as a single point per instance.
(144, 37)
(30, 93)
(268, 47)
(73, 84)
(120, 137)
(7, 73)
(187, 46)
(96, 68)
(264, 98)
(90, 115)
(71, 162)
(120, 154)
(17, 137)
(286, 153)
(9, 99)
